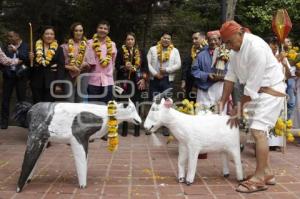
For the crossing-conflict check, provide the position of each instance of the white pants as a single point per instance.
(212, 96)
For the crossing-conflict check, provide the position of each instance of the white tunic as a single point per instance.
(256, 66)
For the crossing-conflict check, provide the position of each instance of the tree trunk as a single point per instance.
(148, 21)
(228, 9)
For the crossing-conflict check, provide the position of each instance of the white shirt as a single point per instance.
(254, 65)
(173, 64)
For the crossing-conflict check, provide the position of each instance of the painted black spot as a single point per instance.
(84, 125)
(39, 118)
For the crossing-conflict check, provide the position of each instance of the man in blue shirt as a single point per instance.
(208, 83)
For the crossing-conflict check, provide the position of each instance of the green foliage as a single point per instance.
(123, 15)
(258, 14)
(183, 17)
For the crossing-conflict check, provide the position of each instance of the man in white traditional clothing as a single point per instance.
(254, 65)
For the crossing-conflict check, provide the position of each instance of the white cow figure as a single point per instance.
(196, 134)
(71, 123)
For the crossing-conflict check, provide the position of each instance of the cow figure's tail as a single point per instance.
(20, 113)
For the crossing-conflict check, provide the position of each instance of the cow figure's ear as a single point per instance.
(168, 103)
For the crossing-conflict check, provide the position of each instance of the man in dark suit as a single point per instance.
(12, 76)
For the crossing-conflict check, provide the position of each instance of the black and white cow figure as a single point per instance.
(67, 123)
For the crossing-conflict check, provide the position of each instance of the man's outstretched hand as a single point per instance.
(234, 117)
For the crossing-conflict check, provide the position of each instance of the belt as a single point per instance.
(271, 91)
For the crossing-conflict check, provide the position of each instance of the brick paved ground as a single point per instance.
(139, 169)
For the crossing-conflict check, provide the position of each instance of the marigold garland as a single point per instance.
(163, 56)
(112, 124)
(39, 50)
(188, 107)
(128, 57)
(294, 56)
(284, 128)
(104, 62)
(82, 47)
(195, 51)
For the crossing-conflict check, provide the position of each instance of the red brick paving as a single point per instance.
(139, 169)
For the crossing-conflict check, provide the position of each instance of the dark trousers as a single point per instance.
(136, 99)
(158, 86)
(9, 83)
(41, 95)
(189, 94)
(106, 93)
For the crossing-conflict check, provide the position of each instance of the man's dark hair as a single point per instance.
(201, 33)
(104, 22)
(166, 33)
(272, 40)
(14, 31)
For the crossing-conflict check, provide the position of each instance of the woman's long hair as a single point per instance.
(134, 36)
(72, 29)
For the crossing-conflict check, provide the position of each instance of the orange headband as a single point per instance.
(211, 33)
(228, 29)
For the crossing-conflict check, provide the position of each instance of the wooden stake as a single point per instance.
(31, 42)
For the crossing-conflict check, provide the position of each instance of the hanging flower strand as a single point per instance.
(113, 139)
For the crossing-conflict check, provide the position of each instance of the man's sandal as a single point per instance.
(268, 179)
(251, 186)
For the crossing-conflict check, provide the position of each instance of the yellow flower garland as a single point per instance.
(127, 57)
(194, 50)
(39, 50)
(112, 124)
(188, 107)
(294, 55)
(82, 47)
(163, 56)
(284, 128)
(104, 62)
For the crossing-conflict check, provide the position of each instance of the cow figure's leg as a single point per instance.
(192, 164)
(224, 156)
(80, 157)
(34, 168)
(236, 155)
(35, 147)
(182, 159)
